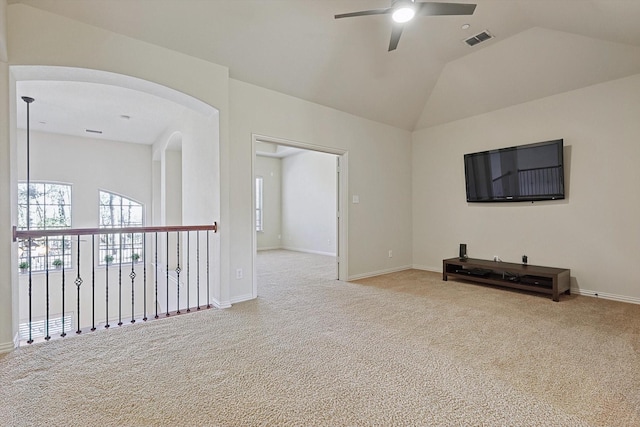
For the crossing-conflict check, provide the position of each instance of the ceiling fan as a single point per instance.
(403, 11)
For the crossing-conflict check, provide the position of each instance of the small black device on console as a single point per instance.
(463, 252)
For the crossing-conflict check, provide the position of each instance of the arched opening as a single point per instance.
(103, 131)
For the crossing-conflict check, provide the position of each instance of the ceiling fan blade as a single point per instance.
(364, 13)
(396, 32)
(434, 9)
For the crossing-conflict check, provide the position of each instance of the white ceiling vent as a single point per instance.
(479, 38)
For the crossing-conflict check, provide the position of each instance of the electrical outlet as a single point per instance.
(390, 254)
(239, 274)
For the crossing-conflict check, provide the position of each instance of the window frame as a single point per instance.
(259, 191)
(48, 249)
(120, 248)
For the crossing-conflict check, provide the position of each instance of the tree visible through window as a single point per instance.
(115, 212)
(49, 208)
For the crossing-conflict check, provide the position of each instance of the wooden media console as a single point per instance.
(548, 280)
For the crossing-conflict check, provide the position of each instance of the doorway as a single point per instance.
(299, 200)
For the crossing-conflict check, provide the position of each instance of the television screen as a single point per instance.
(524, 173)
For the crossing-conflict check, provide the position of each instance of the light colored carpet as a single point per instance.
(401, 349)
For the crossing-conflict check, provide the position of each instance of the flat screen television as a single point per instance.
(529, 172)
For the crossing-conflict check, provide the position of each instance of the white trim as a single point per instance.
(242, 298)
(379, 272)
(308, 251)
(343, 202)
(220, 304)
(427, 268)
(270, 248)
(296, 144)
(604, 295)
(7, 347)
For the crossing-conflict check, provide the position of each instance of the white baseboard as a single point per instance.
(220, 304)
(7, 347)
(604, 295)
(576, 291)
(241, 298)
(269, 248)
(378, 273)
(427, 268)
(308, 251)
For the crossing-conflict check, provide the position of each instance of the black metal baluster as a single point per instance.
(167, 270)
(178, 273)
(78, 283)
(120, 280)
(64, 333)
(208, 283)
(156, 275)
(93, 282)
(46, 285)
(30, 284)
(144, 275)
(132, 275)
(198, 267)
(188, 262)
(106, 286)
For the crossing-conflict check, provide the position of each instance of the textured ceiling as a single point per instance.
(541, 47)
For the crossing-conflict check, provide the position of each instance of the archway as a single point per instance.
(190, 137)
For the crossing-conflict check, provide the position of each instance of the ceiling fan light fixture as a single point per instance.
(403, 14)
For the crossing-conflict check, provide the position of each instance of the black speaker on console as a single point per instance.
(463, 251)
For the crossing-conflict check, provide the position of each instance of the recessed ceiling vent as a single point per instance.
(479, 38)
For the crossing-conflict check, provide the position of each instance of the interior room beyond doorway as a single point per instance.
(296, 200)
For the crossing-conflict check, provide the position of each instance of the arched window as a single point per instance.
(115, 212)
(49, 205)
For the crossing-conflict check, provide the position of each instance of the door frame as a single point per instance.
(342, 201)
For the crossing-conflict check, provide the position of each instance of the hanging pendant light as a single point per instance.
(28, 100)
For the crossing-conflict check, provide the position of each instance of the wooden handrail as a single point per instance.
(36, 234)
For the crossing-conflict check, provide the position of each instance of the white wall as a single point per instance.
(595, 231)
(173, 187)
(57, 41)
(8, 257)
(309, 203)
(89, 165)
(270, 169)
(377, 172)
(378, 154)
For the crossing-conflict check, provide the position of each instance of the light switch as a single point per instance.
(356, 199)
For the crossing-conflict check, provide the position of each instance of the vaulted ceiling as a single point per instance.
(296, 47)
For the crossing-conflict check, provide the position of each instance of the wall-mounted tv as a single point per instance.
(529, 172)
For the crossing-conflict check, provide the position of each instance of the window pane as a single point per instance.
(106, 217)
(49, 206)
(116, 212)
